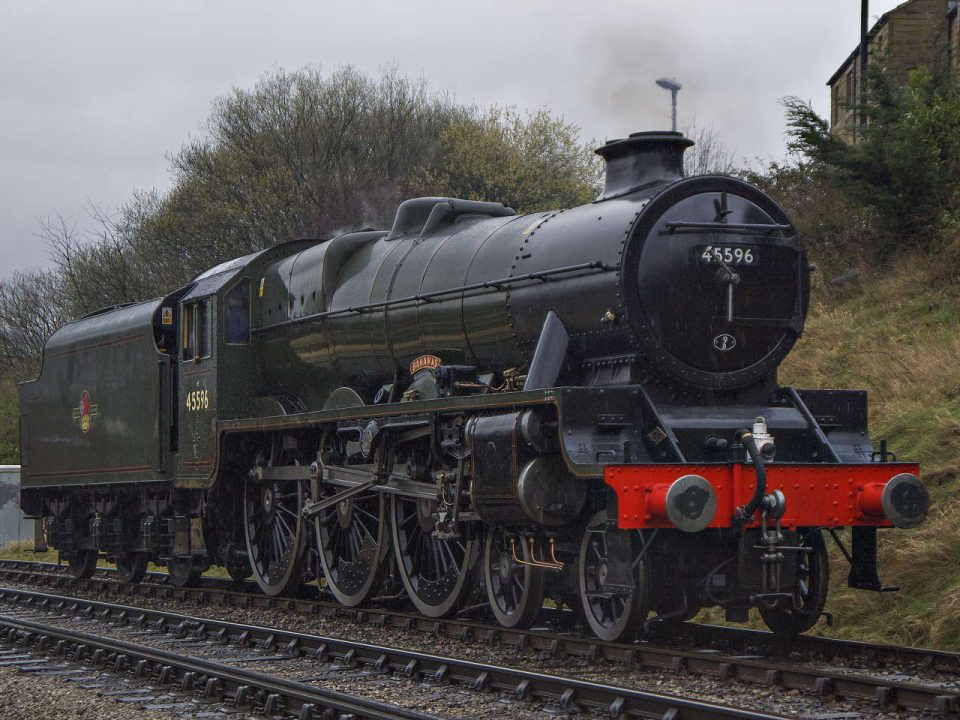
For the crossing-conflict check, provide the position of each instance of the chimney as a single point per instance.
(642, 159)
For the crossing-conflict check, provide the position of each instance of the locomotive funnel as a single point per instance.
(642, 159)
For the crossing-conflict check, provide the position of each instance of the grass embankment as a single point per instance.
(897, 335)
(24, 551)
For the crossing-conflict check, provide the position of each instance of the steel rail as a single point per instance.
(242, 687)
(652, 654)
(749, 640)
(736, 639)
(552, 690)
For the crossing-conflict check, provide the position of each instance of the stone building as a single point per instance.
(912, 34)
(953, 31)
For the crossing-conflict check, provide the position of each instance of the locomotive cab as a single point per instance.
(197, 392)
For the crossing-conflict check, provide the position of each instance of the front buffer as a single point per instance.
(696, 497)
(743, 535)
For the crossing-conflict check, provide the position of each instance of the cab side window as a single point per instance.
(196, 328)
(188, 323)
(236, 314)
(204, 327)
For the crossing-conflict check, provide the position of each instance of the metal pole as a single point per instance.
(864, 15)
(673, 97)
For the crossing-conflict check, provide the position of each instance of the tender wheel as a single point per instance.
(183, 573)
(132, 568)
(809, 591)
(514, 590)
(352, 536)
(613, 609)
(275, 533)
(435, 572)
(81, 565)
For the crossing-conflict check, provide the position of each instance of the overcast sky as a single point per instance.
(95, 95)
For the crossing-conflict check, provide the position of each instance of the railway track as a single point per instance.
(212, 681)
(733, 640)
(753, 657)
(274, 695)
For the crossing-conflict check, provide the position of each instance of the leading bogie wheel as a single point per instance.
(614, 580)
(514, 586)
(810, 587)
(81, 564)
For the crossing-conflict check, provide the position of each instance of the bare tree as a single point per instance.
(306, 154)
(97, 267)
(709, 155)
(30, 311)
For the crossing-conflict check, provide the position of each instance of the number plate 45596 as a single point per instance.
(728, 255)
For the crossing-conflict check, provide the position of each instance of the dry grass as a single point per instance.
(898, 336)
(24, 551)
(899, 339)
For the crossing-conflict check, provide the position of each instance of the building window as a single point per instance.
(236, 314)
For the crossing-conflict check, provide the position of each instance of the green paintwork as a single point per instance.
(112, 357)
(225, 383)
(138, 391)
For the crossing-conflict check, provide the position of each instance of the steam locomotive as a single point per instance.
(579, 405)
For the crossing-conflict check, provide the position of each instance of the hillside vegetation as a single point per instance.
(881, 220)
(897, 335)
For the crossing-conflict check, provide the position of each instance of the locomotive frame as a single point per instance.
(579, 405)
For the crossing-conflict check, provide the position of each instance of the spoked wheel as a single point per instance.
(435, 572)
(132, 567)
(81, 565)
(809, 589)
(352, 541)
(616, 596)
(275, 532)
(183, 573)
(352, 538)
(514, 589)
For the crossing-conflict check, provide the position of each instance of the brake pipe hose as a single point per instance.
(744, 514)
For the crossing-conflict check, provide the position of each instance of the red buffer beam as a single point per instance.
(695, 497)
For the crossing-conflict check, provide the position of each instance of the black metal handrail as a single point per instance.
(428, 297)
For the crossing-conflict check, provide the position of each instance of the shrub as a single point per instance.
(905, 165)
